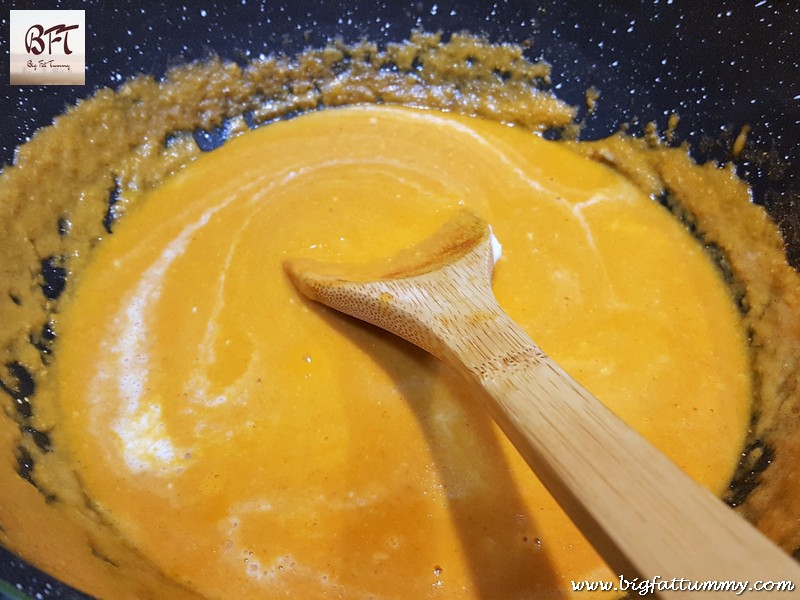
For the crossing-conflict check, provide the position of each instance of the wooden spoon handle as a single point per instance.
(644, 515)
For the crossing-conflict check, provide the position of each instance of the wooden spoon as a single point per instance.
(645, 516)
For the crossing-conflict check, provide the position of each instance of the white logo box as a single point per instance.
(47, 47)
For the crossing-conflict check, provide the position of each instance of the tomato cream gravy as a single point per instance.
(254, 444)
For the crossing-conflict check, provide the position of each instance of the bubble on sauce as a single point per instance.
(285, 564)
(393, 542)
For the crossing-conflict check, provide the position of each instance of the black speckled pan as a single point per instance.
(718, 65)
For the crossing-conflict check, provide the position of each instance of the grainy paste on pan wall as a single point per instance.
(179, 422)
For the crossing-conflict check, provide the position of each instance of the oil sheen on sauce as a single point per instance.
(254, 444)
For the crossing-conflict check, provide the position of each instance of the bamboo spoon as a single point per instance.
(644, 516)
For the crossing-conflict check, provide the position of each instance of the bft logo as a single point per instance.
(34, 38)
(48, 47)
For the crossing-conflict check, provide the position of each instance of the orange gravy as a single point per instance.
(253, 444)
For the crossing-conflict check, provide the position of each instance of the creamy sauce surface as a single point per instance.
(254, 444)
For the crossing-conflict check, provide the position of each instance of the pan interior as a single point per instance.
(55, 212)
